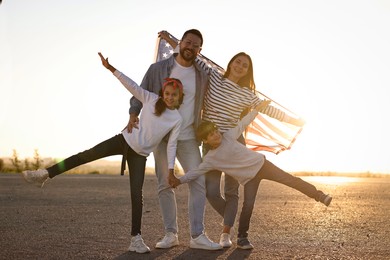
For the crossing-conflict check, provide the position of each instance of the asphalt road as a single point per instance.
(88, 217)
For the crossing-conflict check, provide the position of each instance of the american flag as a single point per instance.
(264, 133)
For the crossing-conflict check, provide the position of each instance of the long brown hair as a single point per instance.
(248, 80)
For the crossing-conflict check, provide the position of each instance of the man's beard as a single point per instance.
(185, 57)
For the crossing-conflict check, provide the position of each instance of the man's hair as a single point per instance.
(204, 129)
(196, 32)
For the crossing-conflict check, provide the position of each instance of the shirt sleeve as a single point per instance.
(172, 144)
(255, 100)
(193, 174)
(141, 94)
(235, 132)
(276, 113)
(135, 104)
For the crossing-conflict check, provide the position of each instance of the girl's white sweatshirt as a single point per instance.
(151, 129)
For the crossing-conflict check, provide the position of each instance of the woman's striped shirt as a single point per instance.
(225, 101)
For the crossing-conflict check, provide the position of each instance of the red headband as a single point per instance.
(175, 84)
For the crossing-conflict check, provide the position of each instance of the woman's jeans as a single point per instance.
(136, 163)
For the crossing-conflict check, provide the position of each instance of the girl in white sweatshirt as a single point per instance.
(159, 118)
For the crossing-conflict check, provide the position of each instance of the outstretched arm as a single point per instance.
(262, 106)
(265, 108)
(247, 119)
(133, 120)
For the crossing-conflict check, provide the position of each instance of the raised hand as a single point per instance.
(105, 63)
(165, 36)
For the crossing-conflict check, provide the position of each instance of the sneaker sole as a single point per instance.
(166, 247)
(245, 247)
(139, 252)
(206, 247)
(226, 245)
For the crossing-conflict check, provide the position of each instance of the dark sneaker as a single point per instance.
(324, 198)
(243, 243)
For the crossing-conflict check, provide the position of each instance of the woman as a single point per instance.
(158, 110)
(229, 97)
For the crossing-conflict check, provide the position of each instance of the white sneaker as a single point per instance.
(38, 177)
(170, 240)
(225, 240)
(137, 245)
(203, 242)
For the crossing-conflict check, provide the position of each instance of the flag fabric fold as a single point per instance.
(264, 133)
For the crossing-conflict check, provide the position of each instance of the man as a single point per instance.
(195, 82)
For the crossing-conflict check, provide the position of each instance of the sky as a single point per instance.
(328, 61)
